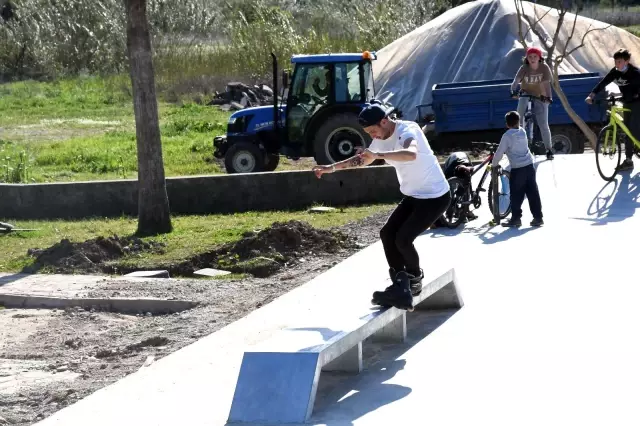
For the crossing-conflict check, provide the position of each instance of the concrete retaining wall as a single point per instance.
(202, 194)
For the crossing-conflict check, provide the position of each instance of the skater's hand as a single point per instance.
(320, 170)
(366, 154)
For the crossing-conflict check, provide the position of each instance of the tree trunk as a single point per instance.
(154, 216)
(586, 130)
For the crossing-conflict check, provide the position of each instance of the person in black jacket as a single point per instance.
(627, 77)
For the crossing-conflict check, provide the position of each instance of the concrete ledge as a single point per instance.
(233, 193)
(202, 194)
(279, 377)
(129, 306)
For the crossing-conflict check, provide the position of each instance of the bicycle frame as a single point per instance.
(616, 120)
(529, 114)
(486, 171)
(486, 162)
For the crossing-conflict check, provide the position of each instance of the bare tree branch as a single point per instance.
(554, 41)
(522, 38)
(533, 23)
(584, 37)
(573, 30)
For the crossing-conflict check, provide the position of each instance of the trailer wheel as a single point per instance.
(338, 137)
(567, 140)
(244, 157)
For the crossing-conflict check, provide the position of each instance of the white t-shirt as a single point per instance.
(422, 177)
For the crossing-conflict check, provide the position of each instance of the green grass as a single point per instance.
(634, 29)
(192, 234)
(84, 129)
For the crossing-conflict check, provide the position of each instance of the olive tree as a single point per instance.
(154, 216)
(558, 48)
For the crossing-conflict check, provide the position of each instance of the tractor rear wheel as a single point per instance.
(338, 137)
(271, 162)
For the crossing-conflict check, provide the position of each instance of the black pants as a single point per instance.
(411, 218)
(632, 121)
(523, 183)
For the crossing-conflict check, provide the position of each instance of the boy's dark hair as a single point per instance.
(512, 118)
(622, 54)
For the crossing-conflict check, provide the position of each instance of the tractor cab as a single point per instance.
(323, 95)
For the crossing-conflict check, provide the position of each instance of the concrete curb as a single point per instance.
(234, 193)
(121, 305)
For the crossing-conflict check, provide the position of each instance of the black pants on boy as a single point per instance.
(523, 183)
(411, 218)
(632, 121)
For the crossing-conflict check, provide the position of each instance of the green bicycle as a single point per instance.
(611, 142)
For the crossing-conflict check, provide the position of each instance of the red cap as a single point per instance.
(534, 50)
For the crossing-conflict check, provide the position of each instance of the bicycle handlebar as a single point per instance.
(485, 144)
(542, 98)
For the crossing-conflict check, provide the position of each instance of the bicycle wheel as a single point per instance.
(457, 211)
(500, 195)
(608, 153)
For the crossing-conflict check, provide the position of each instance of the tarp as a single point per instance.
(479, 41)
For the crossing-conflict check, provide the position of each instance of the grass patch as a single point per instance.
(84, 97)
(79, 130)
(634, 29)
(75, 130)
(192, 234)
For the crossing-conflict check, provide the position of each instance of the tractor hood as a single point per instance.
(254, 119)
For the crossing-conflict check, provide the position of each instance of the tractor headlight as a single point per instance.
(238, 124)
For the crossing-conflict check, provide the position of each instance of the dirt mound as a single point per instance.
(263, 253)
(258, 253)
(89, 256)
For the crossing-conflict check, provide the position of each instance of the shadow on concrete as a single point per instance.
(615, 201)
(489, 234)
(8, 279)
(341, 401)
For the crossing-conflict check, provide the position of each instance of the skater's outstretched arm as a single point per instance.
(358, 160)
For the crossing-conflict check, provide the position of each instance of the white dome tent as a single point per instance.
(479, 41)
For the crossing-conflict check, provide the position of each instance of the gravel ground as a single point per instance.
(52, 358)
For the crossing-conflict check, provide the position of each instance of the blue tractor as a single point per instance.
(319, 118)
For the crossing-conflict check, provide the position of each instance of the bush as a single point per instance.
(199, 45)
(194, 38)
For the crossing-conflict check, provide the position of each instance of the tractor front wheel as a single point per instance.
(244, 157)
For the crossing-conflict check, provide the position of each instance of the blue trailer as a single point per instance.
(473, 111)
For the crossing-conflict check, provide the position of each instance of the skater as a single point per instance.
(534, 77)
(523, 175)
(627, 77)
(403, 145)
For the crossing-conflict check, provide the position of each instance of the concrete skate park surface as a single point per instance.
(546, 334)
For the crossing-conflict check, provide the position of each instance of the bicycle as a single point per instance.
(536, 147)
(609, 133)
(463, 196)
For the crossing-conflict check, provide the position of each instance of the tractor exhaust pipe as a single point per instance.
(275, 92)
